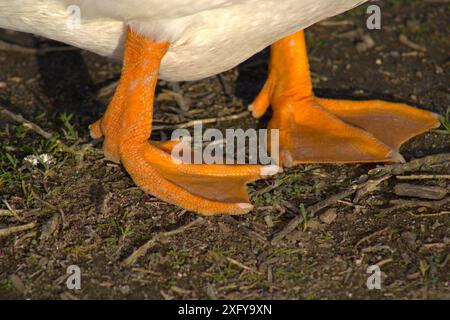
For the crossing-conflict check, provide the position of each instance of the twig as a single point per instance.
(331, 200)
(243, 266)
(414, 165)
(19, 119)
(9, 213)
(402, 204)
(431, 246)
(202, 121)
(141, 270)
(384, 262)
(369, 187)
(142, 250)
(12, 212)
(77, 150)
(292, 225)
(8, 231)
(424, 177)
(370, 236)
(404, 39)
(431, 215)
(420, 191)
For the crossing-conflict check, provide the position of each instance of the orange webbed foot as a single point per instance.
(316, 130)
(206, 189)
(127, 125)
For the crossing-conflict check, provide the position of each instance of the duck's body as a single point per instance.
(193, 39)
(207, 36)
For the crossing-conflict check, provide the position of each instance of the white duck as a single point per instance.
(182, 40)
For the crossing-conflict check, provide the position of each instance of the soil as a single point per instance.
(87, 212)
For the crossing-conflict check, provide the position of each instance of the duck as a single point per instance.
(187, 40)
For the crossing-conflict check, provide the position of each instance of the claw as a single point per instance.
(95, 130)
(396, 157)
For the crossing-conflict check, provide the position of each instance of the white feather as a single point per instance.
(207, 36)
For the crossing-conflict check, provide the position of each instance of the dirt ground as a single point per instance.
(78, 209)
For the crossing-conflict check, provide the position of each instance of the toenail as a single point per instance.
(270, 170)
(245, 206)
(397, 157)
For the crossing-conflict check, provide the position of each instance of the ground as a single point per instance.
(79, 209)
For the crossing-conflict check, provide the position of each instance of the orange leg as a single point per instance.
(331, 131)
(127, 125)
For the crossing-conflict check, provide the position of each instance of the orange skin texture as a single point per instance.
(127, 125)
(316, 130)
(311, 129)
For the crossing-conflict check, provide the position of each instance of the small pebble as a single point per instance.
(328, 216)
(363, 178)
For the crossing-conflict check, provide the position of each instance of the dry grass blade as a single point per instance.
(431, 215)
(370, 236)
(404, 39)
(9, 213)
(241, 265)
(11, 230)
(19, 119)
